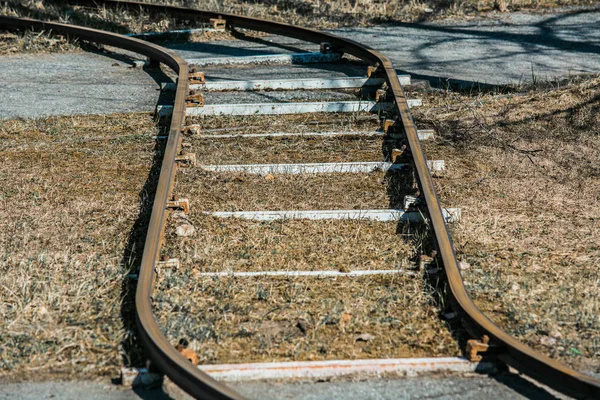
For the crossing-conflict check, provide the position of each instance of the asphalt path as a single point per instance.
(505, 49)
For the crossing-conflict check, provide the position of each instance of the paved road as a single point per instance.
(473, 386)
(508, 49)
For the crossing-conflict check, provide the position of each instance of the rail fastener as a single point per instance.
(391, 125)
(186, 159)
(194, 129)
(412, 202)
(195, 77)
(375, 71)
(179, 204)
(194, 99)
(382, 94)
(188, 353)
(475, 346)
(219, 24)
(398, 153)
(427, 262)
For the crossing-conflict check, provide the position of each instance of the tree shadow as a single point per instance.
(133, 351)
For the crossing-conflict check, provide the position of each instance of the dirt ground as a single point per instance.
(69, 197)
(233, 320)
(287, 150)
(226, 191)
(524, 169)
(223, 245)
(245, 320)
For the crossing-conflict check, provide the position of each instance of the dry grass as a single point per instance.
(68, 200)
(239, 245)
(233, 320)
(300, 123)
(525, 171)
(244, 320)
(282, 150)
(226, 191)
(34, 42)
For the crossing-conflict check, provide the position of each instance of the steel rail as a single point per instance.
(508, 349)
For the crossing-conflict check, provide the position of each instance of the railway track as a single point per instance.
(403, 154)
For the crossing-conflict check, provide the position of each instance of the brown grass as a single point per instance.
(318, 122)
(524, 170)
(68, 200)
(281, 150)
(35, 42)
(226, 191)
(244, 320)
(233, 320)
(239, 245)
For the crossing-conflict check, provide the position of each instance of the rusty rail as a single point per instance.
(160, 351)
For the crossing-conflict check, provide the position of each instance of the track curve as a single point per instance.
(160, 351)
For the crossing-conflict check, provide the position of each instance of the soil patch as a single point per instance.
(237, 320)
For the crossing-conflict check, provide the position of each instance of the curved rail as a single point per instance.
(162, 353)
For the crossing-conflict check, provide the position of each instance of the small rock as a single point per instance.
(555, 333)
(179, 217)
(185, 230)
(116, 65)
(345, 318)
(428, 10)
(547, 341)
(269, 177)
(463, 265)
(365, 337)
(138, 64)
(304, 325)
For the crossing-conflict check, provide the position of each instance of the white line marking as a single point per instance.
(295, 58)
(289, 84)
(305, 273)
(333, 368)
(450, 215)
(424, 134)
(286, 108)
(317, 168)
